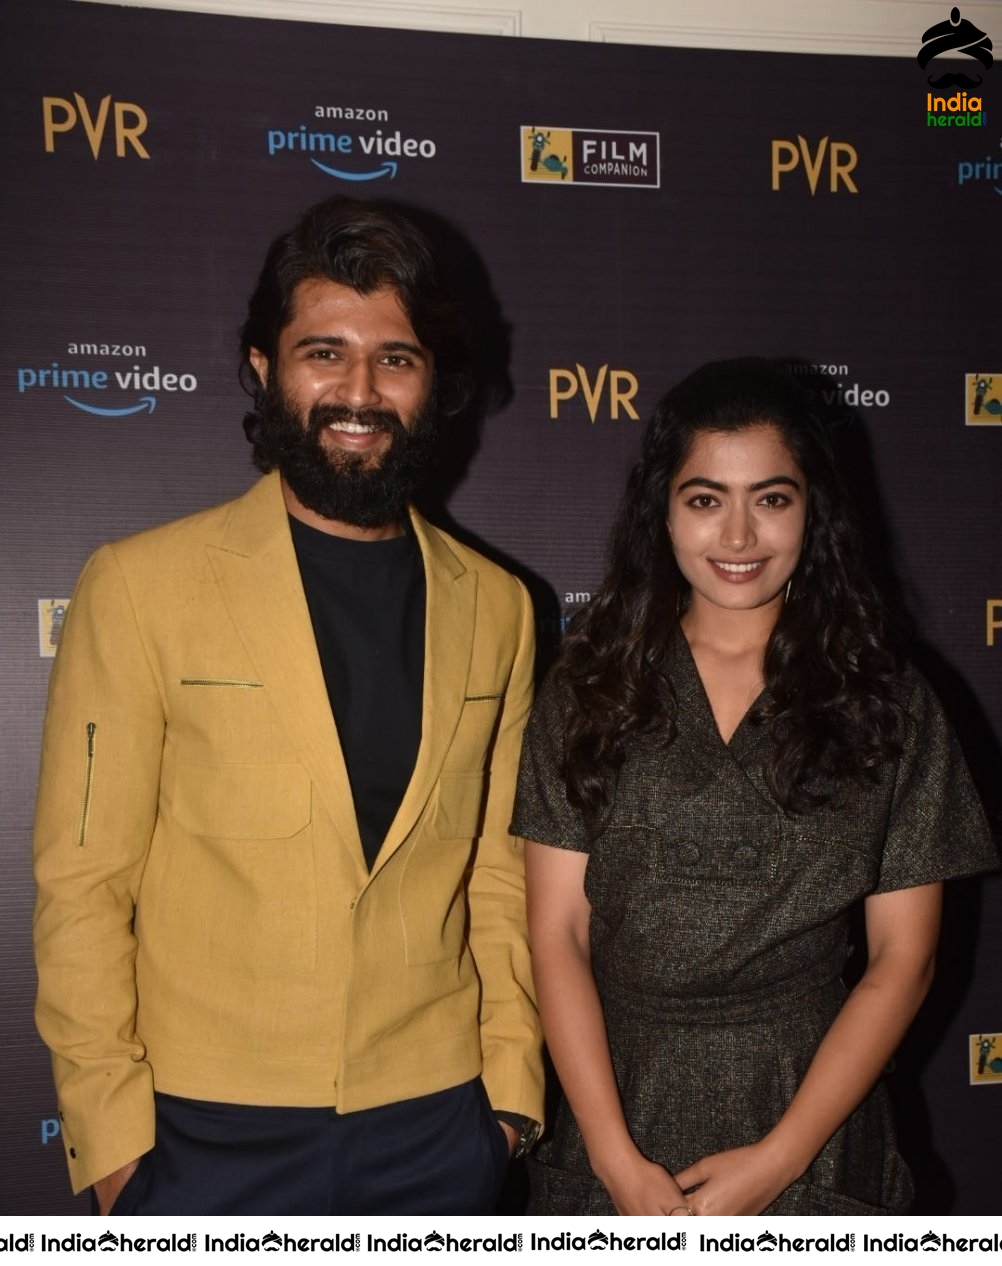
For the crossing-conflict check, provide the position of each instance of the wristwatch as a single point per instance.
(528, 1132)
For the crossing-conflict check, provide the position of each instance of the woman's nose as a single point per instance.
(738, 530)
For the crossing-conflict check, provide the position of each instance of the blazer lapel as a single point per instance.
(450, 615)
(256, 569)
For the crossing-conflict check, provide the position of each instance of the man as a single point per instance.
(280, 928)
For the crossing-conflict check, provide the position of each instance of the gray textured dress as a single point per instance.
(719, 935)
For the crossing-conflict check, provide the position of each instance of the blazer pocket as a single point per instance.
(237, 885)
(474, 736)
(432, 888)
(242, 802)
(459, 806)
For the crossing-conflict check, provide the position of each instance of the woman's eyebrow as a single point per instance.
(701, 482)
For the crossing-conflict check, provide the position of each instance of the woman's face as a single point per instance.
(736, 514)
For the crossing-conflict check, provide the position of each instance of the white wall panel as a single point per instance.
(884, 28)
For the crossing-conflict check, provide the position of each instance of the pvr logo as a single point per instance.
(623, 386)
(60, 115)
(993, 621)
(842, 159)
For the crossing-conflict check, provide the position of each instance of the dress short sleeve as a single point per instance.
(937, 827)
(542, 811)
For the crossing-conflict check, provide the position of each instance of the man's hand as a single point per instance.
(108, 1189)
(511, 1134)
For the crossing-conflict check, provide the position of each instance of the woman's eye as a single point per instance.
(703, 501)
(774, 500)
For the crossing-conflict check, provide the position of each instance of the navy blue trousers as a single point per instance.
(443, 1153)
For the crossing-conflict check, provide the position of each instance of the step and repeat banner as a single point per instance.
(615, 217)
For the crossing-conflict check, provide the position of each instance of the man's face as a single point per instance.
(348, 415)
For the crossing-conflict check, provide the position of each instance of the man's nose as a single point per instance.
(357, 385)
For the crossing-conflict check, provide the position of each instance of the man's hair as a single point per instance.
(829, 664)
(367, 246)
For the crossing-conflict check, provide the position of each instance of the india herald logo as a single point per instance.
(956, 35)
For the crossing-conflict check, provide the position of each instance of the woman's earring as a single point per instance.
(786, 591)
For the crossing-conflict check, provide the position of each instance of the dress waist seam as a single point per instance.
(795, 999)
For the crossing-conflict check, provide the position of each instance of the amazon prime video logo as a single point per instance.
(94, 386)
(372, 153)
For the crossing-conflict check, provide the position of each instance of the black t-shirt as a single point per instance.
(367, 603)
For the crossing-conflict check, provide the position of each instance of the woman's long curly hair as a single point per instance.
(829, 664)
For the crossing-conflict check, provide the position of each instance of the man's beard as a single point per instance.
(347, 487)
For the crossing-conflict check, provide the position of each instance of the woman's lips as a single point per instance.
(738, 573)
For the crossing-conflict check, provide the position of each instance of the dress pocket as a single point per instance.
(665, 859)
(745, 860)
(556, 1192)
(835, 863)
(804, 1199)
(680, 909)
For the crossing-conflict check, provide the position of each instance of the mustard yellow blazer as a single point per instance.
(206, 924)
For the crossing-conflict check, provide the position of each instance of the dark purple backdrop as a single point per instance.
(890, 284)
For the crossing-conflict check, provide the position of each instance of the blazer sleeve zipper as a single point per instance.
(88, 784)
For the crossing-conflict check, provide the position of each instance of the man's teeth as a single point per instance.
(354, 428)
(738, 567)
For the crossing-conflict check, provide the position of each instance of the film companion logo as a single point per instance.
(986, 1059)
(983, 399)
(51, 614)
(590, 156)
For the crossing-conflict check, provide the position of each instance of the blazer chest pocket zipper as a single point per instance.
(214, 681)
(88, 784)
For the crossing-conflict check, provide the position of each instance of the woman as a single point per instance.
(727, 758)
